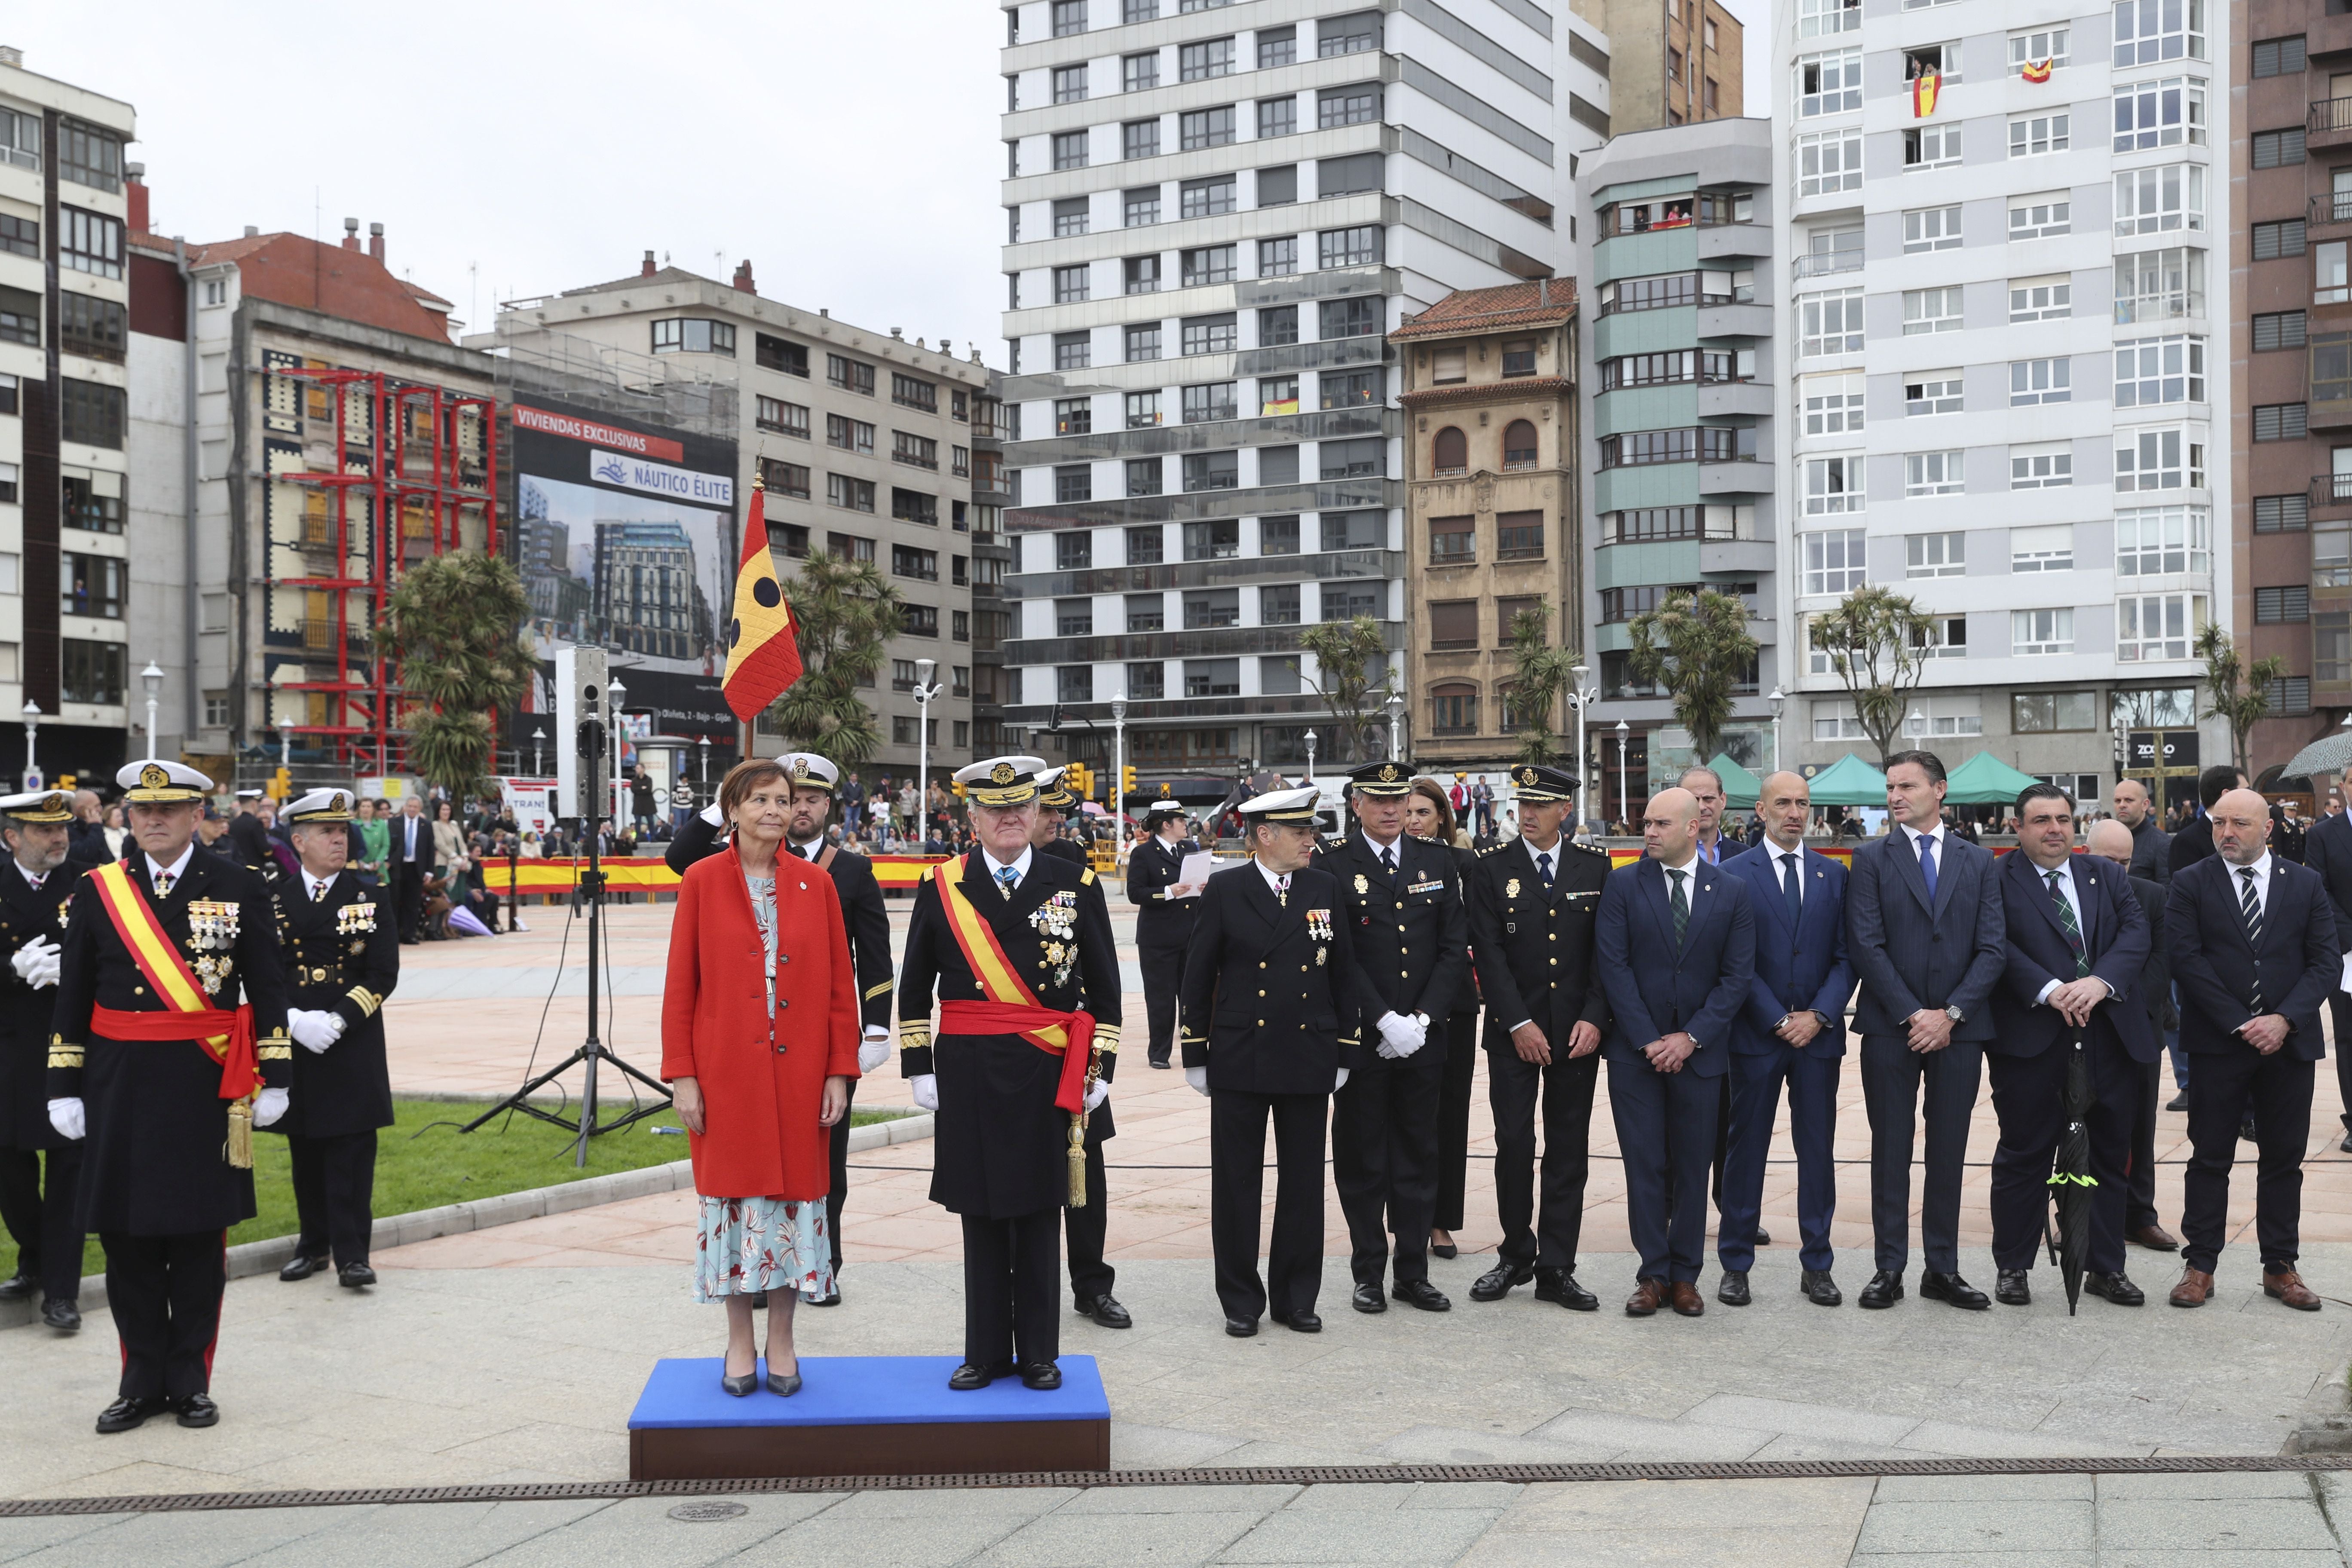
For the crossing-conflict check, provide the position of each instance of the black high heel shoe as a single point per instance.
(739, 1386)
(785, 1384)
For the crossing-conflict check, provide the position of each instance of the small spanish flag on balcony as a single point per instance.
(1923, 88)
(762, 656)
(2038, 70)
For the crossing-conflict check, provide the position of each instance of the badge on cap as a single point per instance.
(1527, 776)
(1390, 773)
(153, 776)
(340, 803)
(1002, 773)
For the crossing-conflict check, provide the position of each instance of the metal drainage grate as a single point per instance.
(705, 1512)
(1283, 1474)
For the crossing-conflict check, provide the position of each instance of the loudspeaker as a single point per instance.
(581, 674)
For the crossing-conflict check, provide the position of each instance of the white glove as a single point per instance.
(927, 1091)
(1341, 1082)
(36, 962)
(1419, 1035)
(269, 1106)
(1400, 1036)
(313, 1030)
(1198, 1078)
(65, 1116)
(1096, 1094)
(873, 1050)
(709, 814)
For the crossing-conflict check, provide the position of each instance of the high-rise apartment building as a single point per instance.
(1215, 213)
(2002, 233)
(1670, 62)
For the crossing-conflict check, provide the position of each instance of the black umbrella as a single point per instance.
(2071, 1186)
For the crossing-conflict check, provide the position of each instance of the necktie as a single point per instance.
(1927, 863)
(1543, 868)
(1679, 903)
(2250, 909)
(1006, 877)
(2066, 920)
(1388, 861)
(1793, 877)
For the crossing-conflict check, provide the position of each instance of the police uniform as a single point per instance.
(1531, 924)
(1084, 1228)
(341, 941)
(166, 1167)
(865, 920)
(1269, 1032)
(44, 1225)
(1410, 943)
(1000, 1157)
(1163, 926)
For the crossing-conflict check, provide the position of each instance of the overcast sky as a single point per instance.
(513, 149)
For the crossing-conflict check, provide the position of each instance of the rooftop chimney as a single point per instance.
(647, 268)
(350, 233)
(253, 231)
(744, 277)
(375, 240)
(135, 195)
(11, 56)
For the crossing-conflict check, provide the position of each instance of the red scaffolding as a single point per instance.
(418, 477)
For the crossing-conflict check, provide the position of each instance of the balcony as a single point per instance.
(2331, 492)
(1721, 399)
(1822, 263)
(2329, 123)
(1739, 476)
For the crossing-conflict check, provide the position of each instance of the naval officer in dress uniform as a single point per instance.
(1164, 907)
(340, 942)
(1260, 1044)
(37, 883)
(154, 1061)
(1017, 947)
(1410, 945)
(1056, 804)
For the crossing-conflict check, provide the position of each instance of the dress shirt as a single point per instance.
(2066, 890)
(1559, 846)
(1936, 833)
(1278, 881)
(2262, 871)
(1393, 848)
(317, 886)
(1020, 867)
(408, 826)
(33, 880)
(1787, 864)
(178, 866)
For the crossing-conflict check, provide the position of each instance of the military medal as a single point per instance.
(1511, 888)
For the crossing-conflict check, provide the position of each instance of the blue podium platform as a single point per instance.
(866, 1416)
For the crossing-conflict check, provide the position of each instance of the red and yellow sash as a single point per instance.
(183, 998)
(1012, 1008)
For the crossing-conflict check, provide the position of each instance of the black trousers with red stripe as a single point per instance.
(165, 1294)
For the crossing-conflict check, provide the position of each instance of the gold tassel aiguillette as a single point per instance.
(239, 1152)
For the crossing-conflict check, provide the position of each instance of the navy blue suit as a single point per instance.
(2032, 1043)
(1800, 966)
(1910, 951)
(2224, 980)
(2327, 850)
(1666, 1121)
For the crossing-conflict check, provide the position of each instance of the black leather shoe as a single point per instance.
(1818, 1287)
(126, 1412)
(1733, 1290)
(198, 1410)
(1105, 1310)
(1953, 1288)
(1299, 1322)
(970, 1375)
(1763, 1236)
(1242, 1328)
(355, 1276)
(1885, 1289)
(1496, 1282)
(830, 1298)
(1367, 1299)
(1161, 1062)
(740, 1386)
(1421, 1293)
(2010, 1287)
(301, 1267)
(1042, 1375)
(2346, 1147)
(2177, 1102)
(61, 1314)
(2116, 1288)
(18, 1287)
(1558, 1285)
(1450, 1251)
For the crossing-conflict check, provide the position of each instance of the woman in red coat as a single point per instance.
(760, 1068)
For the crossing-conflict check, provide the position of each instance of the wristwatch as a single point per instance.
(1956, 1015)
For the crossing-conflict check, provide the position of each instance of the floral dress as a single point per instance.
(747, 1245)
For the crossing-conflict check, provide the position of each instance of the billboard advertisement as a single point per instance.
(626, 536)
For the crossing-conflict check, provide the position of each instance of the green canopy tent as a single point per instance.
(1985, 780)
(1849, 781)
(1741, 789)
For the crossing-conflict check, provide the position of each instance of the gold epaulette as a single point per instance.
(368, 1000)
(914, 1033)
(1087, 878)
(1589, 848)
(62, 1055)
(882, 990)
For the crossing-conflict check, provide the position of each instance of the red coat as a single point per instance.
(761, 1104)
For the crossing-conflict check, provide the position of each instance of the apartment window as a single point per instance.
(2331, 646)
(1833, 404)
(1140, 340)
(1217, 540)
(2329, 273)
(92, 671)
(1074, 618)
(2166, 113)
(1069, 84)
(1074, 683)
(2331, 556)
(1836, 561)
(1073, 350)
(1338, 106)
(86, 584)
(1664, 292)
(2033, 633)
(92, 414)
(1144, 477)
(923, 565)
(856, 495)
(1140, 275)
(1831, 324)
(2160, 370)
(1362, 388)
(783, 418)
(2034, 381)
(2164, 540)
(1349, 35)
(2280, 329)
(1519, 449)
(1213, 677)
(792, 359)
(2040, 298)
(1209, 197)
(2032, 218)
(1932, 473)
(1212, 471)
(1074, 552)
(1352, 531)
(22, 235)
(1357, 247)
(1207, 609)
(2282, 514)
(693, 337)
(849, 547)
(960, 462)
(2160, 625)
(1068, 16)
(1931, 228)
(2280, 57)
(1277, 187)
(1142, 410)
(1211, 335)
(2161, 285)
(1209, 58)
(2275, 240)
(1069, 218)
(87, 325)
(1933, 146)
(1139, 73)
(1453, 624)
(1927, 311)
(1277, 325)
(1278, 604)
(89, 155)
(1072, 285)
(2046, 49)
(2159, 460)
(784, 478)
(1833, 484)
(1146, 613)
(2277, 149)
(93, 243)
(1074, 415)
(1202, 127)
(1147, 682)
(2050, 466)
(20, 316)
(1830, 161)
(1212, 400)
(2281, 421)
(1816, 18)
(20, 143)
(1070, 150)
(1141, 139)
(2159, 200)
(2149, 31)
(1278, 258)
(1641, 448)
(1518, 536)
(1206, 265)
(849, 374)
(2049, 549)
(849, 435)
(1357, 317)
(1074, 481)
(1353, 459)
(1276, 47)
(1828, 83)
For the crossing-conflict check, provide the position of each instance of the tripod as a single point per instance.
(592, 1050)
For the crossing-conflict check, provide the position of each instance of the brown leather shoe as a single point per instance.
(1688, 1302)
(2155, 1238)
(2195, 1285)
(2290, 1288)
(1648, 1296)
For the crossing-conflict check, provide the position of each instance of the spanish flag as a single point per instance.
(1923, 88)
(2038, 70)
(762, 658)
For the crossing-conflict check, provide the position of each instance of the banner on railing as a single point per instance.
(896, 873)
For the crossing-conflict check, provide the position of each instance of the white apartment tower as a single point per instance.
(1216, 212)
(2000, 301)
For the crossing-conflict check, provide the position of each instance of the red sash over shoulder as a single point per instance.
(227, 1036)
(1012, 1008)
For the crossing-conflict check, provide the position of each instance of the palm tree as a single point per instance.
(1878, 642)
(2241, 708)
(454, 625)
(1540, 673)
(844, 613)
(1699, 648)
(1344, 651)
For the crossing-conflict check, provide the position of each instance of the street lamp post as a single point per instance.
(153, 679)
(1396, 726)
(1582, 698)
(1310, 756)
(1780, 701)
(614, 692)
(32, 723)
(1118, 773)
(1624, 781)
(538, 742)
(1917, 722)
(702, 758)
(924, 692)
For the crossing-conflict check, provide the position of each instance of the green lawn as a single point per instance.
(423, 1162)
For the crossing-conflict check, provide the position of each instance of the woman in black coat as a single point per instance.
(1429, 814)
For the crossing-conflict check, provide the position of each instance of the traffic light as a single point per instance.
(1127, 779)
(281, 785)
(1081, 780)
(957, 785)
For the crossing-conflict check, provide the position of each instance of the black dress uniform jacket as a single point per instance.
(1002, 1149)
(1153, 867)
(342, 956)
(1269, 1004)
(156, 1160)
(1408, 937)
(27, 914)
(1533, 949)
